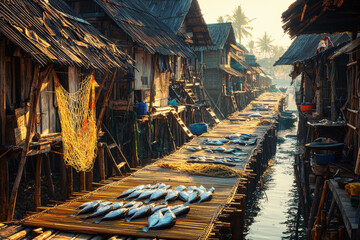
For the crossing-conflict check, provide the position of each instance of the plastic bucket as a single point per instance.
(307, 106)
(198, 128)
(141, 108)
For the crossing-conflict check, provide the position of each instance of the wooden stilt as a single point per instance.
(89, 180)
(63, 180)
(34, 99)
(101, 86)
(69, 181)
(82, 181)
(48, 177)
(101, 162)
(37, 195)
(4, 188)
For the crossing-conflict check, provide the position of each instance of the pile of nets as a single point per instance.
(78, 123)
(210, 170)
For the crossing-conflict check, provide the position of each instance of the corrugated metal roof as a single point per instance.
(174, 13)
(52, 36)
(145, 29)
(304, 47)
(220, 33)
(230, 71)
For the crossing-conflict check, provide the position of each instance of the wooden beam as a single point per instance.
(106, 99)
(101, 162)
(82, 181)
(101, 86)
(34, 99)
(48, 177)
(69, 181)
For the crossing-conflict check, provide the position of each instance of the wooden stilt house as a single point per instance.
(39, 40)
(159, 53)
(220, 79)
(330, 81)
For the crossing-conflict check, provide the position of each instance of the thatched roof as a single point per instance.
(49, 35)
(149, 32)
(321, 16)
(304, 47)
(221, 34)
(175, 13)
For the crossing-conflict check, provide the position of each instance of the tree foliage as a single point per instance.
(240, 23)
(264, 44)
(220, 19)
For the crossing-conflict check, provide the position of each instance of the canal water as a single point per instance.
(272, 212)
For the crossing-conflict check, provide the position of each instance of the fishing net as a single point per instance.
(78, 124)
(210, 170)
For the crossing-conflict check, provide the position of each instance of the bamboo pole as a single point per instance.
(34, 99)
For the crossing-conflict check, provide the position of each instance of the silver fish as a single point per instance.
(134, 208)
(103, 204)
(191, 188)
(192, 197)
(240, 154)
(180, 188)
(85, 204)
(181, 210)
(224, 140)
(234, 136)
(116, 214)
(126, 193)
(139, 187)
(161, 185)
(160, 193)
(184, 196)
(117, 205)
(206, 196)
(167, 221)
(171, 196)
(153, 220)
(219, 149)
(158, 207)
(142, 212)
(130, 204)
(89, 208)
(134, 194)
(200, 189)
(145, 194)
(99, 212)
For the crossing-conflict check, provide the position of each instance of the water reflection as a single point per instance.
(273, 209)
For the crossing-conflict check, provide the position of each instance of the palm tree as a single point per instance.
(277, 52)
(220, 19)
(251, 46)
(264, 44)
(240, 23)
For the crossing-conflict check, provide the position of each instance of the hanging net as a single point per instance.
(78, 124)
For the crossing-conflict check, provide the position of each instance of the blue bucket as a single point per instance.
(141, 108)
(198, 128)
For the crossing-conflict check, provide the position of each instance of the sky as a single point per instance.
(267, 14)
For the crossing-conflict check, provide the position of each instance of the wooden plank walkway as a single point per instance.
(198, 223)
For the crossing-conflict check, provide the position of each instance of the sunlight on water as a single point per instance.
(274, 209)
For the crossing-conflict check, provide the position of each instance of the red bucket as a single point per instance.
(306, 106)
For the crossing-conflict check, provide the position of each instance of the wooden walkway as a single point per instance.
(199, 222)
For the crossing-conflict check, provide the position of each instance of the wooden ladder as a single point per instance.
(120, 168)
(234, 102)
(213, 115)
(191, 94)
(175, 92)
(181, 123)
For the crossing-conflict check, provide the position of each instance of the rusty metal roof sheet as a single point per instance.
(145, 29)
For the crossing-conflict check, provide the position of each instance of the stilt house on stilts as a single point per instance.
(328, 100)
(41, 40)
